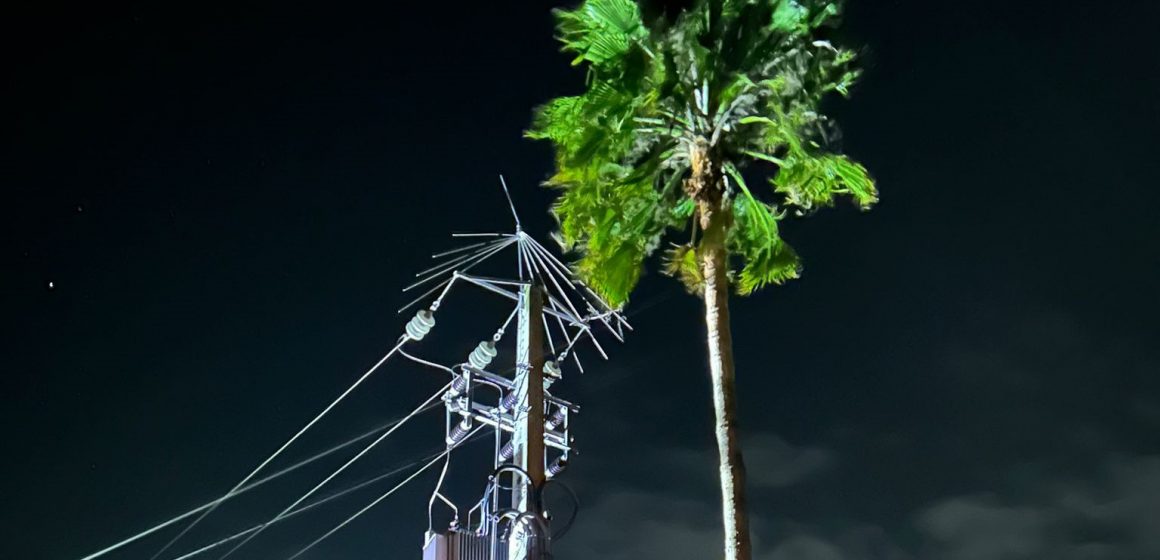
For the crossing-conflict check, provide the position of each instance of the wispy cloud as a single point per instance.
(1111, 516)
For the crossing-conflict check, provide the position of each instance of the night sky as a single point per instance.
(209, 214)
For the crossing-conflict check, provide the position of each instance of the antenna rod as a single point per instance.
(511, 204)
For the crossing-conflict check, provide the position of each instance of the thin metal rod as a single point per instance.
(376, 502)
(586, 328)
(511, 204)
(600, 317)
(552, 258)
(451, 266)
(446, 267)
(478, 258)
(572, 342)
(527, 264)
(445, 285)
(543, 317)
(563, 294)
(459, 249)
(487, 286)
(500, 281)
(520, 258)
(508, 321)
(546, 258)
(479, 248)
(360, 454)
(548, 331)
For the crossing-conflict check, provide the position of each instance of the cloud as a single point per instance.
(682, 520)
(1110, 516)
(804, 547)
(1051, 474)
(771, 462)
(975, 528)
(634, 525)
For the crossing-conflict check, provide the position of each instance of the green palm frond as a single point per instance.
(612, 222)
(680, 262)
(600, 32)
(789, 16)
(745, 77)
(809, 182)
(755, 237)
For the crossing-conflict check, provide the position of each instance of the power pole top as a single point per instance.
(555, 314)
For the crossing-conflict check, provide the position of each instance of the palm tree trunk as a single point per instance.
(714, 219)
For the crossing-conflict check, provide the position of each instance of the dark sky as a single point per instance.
(227, 201)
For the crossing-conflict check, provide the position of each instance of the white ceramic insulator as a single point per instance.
(551, 369)
(482, 355)
(420, 325)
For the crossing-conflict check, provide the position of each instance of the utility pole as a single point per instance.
(530, 424)
(528, 440)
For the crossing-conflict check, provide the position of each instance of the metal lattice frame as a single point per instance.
(480, 398)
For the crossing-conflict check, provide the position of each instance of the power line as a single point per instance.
(310, 506)
(385, 495)
(259, 482)
(237, 491)
(402, 340)
(365, 450)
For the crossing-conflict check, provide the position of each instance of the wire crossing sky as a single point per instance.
(239, 491)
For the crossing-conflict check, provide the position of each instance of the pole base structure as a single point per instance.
(460, 545)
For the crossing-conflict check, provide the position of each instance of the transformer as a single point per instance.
(460, 545)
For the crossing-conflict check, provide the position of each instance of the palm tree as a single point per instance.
(682, 102)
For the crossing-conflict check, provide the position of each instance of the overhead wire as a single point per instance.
(559, 533)
(237, 487)
(309, 506)
(358, 456)
(386, 495)
(423, 362)
(261, 481)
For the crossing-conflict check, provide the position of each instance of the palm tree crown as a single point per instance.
(703, 91)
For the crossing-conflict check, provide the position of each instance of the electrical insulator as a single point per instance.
(551, 370)
(556, 420)
(556, 467)
(551, 373)
(459, 431)
(506, 452)
(420, 325)
(482, 355)
(509, 400)
(458, 384)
